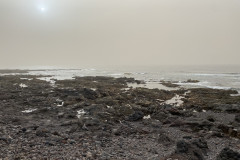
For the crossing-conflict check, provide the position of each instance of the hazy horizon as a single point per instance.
(70, 33)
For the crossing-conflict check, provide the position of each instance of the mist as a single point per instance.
(79, 33)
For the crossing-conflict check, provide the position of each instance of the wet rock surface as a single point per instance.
(98, 118)
(169, 84)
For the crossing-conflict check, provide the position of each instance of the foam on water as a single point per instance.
(29, 111)
(26, 79)
(152, 76)
(219, 75)
(116, 74)
(235, 95)
(202, 84)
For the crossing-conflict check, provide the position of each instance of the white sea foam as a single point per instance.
(26, 79)
(109, 107)
(23, 85)
(235, 95)
(80, 113)
(29, 110)
(218, 87)
(208, 80)
(147, 117)
(116, 74)
(205, 84)
(141, 73)
(218, 75)
(59, 100)
(60, 105)
(48, 79)
(186, 93)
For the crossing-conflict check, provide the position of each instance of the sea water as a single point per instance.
(217, 77)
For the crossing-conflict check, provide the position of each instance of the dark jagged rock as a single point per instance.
(202, 144)
(89, 94)
(194, 150)
(164, 139)
(137, 115)
(182, 147)
(228, 154)
(169, 84)
(100, 117)
(192, 81)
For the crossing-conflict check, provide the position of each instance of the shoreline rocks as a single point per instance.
(95, 118)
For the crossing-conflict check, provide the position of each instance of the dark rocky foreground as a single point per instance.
(99, 118)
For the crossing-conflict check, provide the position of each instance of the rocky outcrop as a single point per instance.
(98, 118)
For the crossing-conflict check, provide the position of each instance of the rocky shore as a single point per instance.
(102, 118)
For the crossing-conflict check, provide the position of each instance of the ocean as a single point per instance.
(217, 77)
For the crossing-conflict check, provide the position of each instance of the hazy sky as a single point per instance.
(121, 32)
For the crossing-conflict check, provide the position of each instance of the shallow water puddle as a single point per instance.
(176, 101)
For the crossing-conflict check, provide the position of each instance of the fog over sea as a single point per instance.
(218, 77)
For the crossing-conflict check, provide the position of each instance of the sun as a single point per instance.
(42, 9)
